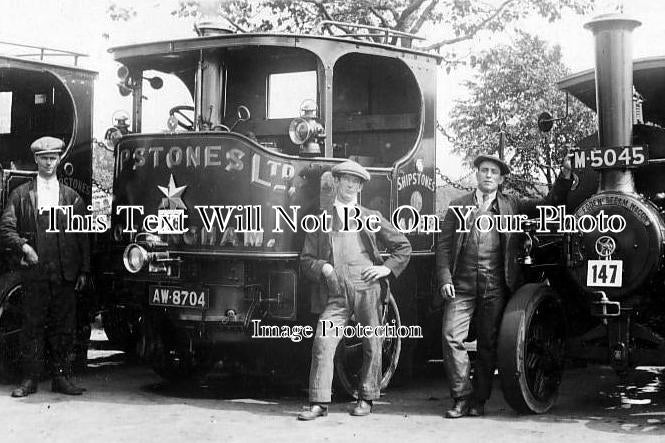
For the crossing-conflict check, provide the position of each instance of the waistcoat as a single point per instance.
(48, 249)
(481, 268)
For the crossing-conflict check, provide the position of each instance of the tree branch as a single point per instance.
(325, 14)
(376, 8)
(237, 26)
(404, 17)
(321, 7)
(474, 30)
(423, 17)
(394, 13)
(384, 22)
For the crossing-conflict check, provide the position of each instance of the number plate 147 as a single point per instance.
(606, 273)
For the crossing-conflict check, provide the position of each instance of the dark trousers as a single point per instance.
(458, 312)
(50, 317)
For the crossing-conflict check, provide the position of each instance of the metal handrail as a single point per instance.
(44, 52)
(385, 33)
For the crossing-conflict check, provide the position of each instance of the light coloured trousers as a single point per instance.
(364, 302)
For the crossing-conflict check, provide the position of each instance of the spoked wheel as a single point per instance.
(11, 321)
(349, 355)
(531, 349)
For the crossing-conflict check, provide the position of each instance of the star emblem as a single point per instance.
(173, 195)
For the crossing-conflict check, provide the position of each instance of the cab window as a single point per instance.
(32, 104)
(287, 92)
(376, 109)
(158, 102)
(5, 112)
(272, 82)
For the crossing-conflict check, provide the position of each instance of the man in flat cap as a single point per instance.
(349, 275)
(477, 271)
(53, 265)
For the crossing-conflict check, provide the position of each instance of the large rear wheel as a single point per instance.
(349, 355)
(12, 294)
(531, 349)
(11, 321)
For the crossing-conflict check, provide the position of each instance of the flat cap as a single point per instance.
(47, 145)
(351, 168)
(503, 166)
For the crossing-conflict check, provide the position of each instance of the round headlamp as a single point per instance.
(300, 130)
(134, 258)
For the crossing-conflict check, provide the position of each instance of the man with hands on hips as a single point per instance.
(349, 273)
(477, 272)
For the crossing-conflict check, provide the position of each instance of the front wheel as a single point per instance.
(121, 327)
(158, 346)
(531, 349)
(349, 355)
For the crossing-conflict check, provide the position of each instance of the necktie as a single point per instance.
(482, 207)
(486, 201)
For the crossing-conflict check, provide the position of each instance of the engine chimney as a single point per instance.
(210, 21)
(614, 92)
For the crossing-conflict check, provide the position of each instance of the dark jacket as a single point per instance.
(450, 241)
(317, 251)
(18, 226)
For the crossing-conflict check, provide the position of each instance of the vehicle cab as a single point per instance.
(44, 92)
(261, 120)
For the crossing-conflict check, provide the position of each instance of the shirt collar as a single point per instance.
(352, 203)
(52, 181)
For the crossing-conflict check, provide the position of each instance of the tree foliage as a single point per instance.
(102, 166)
(515, 83)
(457, 20)
(117, 12)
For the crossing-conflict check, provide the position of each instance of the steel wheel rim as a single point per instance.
(543, 353)
(10, 354)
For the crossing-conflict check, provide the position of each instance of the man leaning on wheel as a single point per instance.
(477, 271)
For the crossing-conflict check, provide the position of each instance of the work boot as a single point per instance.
(28, 386)
(315, 410)
(477, 409)
(363, 407)
(460, 408)
(63, 385)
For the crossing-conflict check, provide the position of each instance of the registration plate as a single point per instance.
(612, 157)
(178, 297)
(606, 273)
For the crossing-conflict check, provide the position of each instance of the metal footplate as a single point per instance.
(604, 307)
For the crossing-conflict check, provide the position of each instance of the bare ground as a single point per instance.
(128, 402)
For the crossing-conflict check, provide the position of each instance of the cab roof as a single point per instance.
(13, 54)
(7, 61)
(648, 79)
(170, 48)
